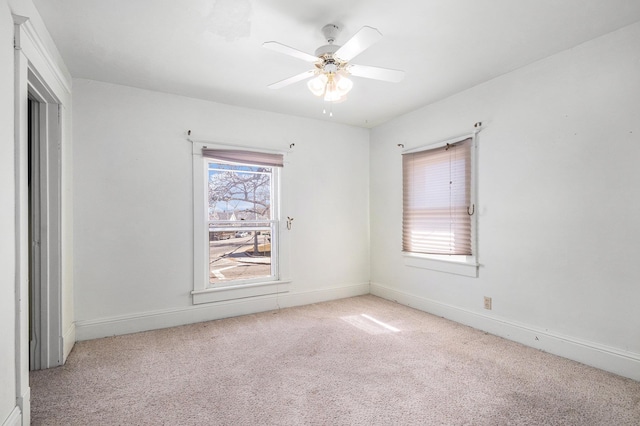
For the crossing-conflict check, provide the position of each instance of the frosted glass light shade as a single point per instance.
(333, 87)
(317, 85)
(344, 85)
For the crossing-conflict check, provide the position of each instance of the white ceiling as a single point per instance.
(212, 49)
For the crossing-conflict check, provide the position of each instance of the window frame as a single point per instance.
(466, 265)
(203, 290)
(251, 225)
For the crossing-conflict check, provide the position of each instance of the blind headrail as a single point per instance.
(438, 144)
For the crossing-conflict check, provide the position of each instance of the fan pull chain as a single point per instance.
(324, 109)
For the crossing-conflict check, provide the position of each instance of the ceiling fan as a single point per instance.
(332, 65)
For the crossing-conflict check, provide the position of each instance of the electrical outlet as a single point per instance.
(487, 302)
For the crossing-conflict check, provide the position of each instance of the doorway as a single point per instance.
(43, 226)
(39, 78)
(33, 183)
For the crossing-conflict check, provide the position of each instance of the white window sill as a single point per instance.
(458, 265)
(219, 294)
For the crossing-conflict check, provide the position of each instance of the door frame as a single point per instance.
(44, 246)
(37, 74)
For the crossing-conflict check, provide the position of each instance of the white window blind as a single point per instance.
(436, 200)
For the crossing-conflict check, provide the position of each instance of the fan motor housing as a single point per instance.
(327, 49)
(330, 32)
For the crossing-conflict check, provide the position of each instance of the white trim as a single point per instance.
(323, 295)
(49, 300)
(230, 292)
(24, 403)
(68, 340)
(21, 220)
(594, 354)
(28, 40)
(440, 143)
(14, 418)
(36, 68)
(200, 244)
(153, 320)
(466, 267)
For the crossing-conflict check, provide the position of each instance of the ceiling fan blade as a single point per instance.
(384, 74)
(291, 80)
(279, 47)
(363, 39)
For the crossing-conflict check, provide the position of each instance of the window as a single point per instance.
(241, 224)
(438, 209)
(236, 224)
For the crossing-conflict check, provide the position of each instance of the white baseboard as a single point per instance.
(144, 321)
(68, 340)
(24, 405)
(324, 295)
(14, 419)
(617, 361)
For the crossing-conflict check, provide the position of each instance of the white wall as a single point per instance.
(133, 205)
(7, 221)
(558, 204)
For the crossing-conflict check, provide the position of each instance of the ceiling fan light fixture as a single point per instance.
(318, 84)
(333, 96)
(344, 85)
(332, 67)
(332, 87)
(337, 88)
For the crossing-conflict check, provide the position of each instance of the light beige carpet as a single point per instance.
(357, 361)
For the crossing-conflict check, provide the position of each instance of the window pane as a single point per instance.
(239, 192)
(239, 254)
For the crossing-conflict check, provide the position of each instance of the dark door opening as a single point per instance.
(34, 231)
